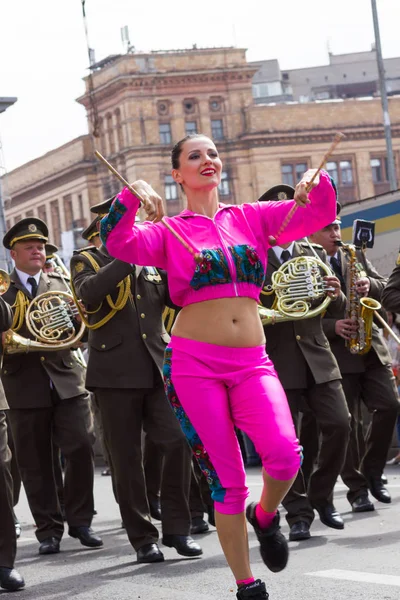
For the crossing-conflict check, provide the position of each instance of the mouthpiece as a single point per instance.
(338, 243)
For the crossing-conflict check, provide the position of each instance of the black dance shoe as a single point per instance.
(11, 580)
(253, 591)
(274, 548)
(86, 536)
(183, 544)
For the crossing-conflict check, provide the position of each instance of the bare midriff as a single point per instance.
(232, 322)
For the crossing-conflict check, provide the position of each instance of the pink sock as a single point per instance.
(264, 519)
(245, 581)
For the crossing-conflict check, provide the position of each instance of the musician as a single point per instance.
(91, 233)
(216, 269)
(10, 579)
(127, 341)
(391, 293)
(49, 266)
(48, 403)
(366, 377)
(309, 372)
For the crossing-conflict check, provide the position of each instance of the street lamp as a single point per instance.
(5, 262)
(384, 100)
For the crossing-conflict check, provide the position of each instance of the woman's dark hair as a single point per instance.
(177, 149)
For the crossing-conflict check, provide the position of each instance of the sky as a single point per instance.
(43, 53)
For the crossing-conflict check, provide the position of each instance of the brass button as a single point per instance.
(144, 336)
(326, 343)
(5, 371)
(139, 297)
(42, 358)
(298, 337)
(143, 315)
(103, 346)
(71, 364)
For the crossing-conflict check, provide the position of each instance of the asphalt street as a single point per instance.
(360, 562)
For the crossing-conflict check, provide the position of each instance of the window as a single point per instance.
(165, 133)
(42, 213)
(190, 127)
(171, 195)
(68, 214)
(293, 172)
(379, 170)
(217, 129)
(264, 90)
(223, 187)
(341, 172)
(29, 213)
(55, 221)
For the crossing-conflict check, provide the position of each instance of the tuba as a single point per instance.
(360, 310)
(49, 318)
(300, 291)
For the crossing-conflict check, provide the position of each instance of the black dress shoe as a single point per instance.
(274, 548)
(155, 510)
(378, 490)
(253, 591)
(50, 545)
(106, 472)
(11, 580)
(86, 536)
(299, 531)
(183, 544)
(149, 553)
(330, 517)
(384, 479)
(199, 525)
(362, 504)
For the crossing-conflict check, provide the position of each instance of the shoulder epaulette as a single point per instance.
(306, 245)
(58, 275)
(85, 249)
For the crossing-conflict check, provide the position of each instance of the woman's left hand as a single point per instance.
(303, 188)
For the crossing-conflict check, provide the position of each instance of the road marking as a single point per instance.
(358, 576)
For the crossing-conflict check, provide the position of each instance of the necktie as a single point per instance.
(34, 285)
(285, 256)
(337, 267)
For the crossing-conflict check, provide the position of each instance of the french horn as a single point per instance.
(300, 291)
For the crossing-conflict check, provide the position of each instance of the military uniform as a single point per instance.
(391, 293)
(126, 352)
(48, 403)
(8, 540)
(368, 377)
(309, 373)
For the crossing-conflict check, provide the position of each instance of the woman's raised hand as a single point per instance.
(152, 202)
(305, 186)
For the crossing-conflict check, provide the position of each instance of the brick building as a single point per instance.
(142, 103)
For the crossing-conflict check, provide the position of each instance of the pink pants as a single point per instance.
(212, 389)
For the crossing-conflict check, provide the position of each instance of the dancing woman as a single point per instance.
(217, 373)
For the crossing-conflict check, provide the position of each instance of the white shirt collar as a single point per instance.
(23, 277)
(278, 251)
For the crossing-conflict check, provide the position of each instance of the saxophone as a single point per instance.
(359, 310)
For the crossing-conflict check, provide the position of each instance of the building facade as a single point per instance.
(139, 105)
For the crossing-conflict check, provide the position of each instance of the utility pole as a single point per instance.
(384, 99)
(5, 260)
